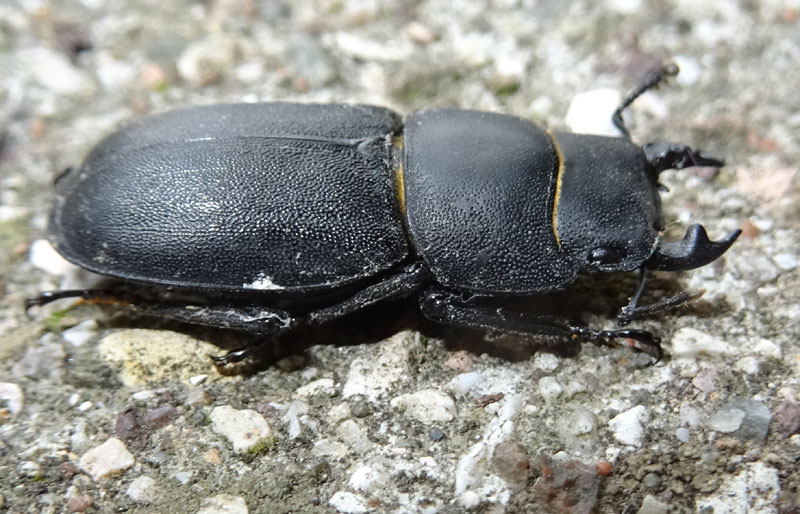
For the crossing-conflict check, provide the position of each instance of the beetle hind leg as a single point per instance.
(450, 309)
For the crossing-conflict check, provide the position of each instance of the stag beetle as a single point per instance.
(282, 215)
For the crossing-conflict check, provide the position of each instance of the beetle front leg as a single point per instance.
(677, 156)
(450, 309)
(634, 311)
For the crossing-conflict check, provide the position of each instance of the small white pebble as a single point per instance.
(690, 70)
(368, 479)
(628, 426)
(749, 365)
(590, 112)
(348, 503)
(11, 395)
(339, 413)
(330, 449)
(198, 379)
(80, 333)
(83, 407)
(351, 433)
(143, 396)
(244, 428)
(463, 382)
(428, 461)
(294, 412)
(223, 504)
(322, 386)
(469, 500)
(183, 476)
(768, 348)
(43, 256)
(550, 389)
(688, 343)
(110, 458)
(786, 261)
(546, 362)
(428, 406)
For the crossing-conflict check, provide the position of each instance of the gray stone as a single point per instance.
(142, 489)
(744, 419)
(43, 360)
(651, 505)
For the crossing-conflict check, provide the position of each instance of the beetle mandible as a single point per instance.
(260, 208)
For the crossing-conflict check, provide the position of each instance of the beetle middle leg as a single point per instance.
(406, 282)
(450, 309)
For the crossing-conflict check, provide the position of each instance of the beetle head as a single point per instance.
(607, 212)
(695, 249)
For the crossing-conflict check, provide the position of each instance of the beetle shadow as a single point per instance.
(591, 297)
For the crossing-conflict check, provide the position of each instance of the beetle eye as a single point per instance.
(605, 255)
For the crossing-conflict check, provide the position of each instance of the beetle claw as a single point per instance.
(232, 357)
(648, 342)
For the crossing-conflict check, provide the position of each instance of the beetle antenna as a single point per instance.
(651, 81)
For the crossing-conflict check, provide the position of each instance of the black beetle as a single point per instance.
(282, 215)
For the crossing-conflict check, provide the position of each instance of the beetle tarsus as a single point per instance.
(631, 312)
(46, 297)
(651, 81)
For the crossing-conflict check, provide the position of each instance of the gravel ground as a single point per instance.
(103, 412)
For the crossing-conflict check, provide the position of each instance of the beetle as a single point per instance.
(267, 217)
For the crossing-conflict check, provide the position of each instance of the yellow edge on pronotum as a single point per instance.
(398, 174)
(557, 195)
